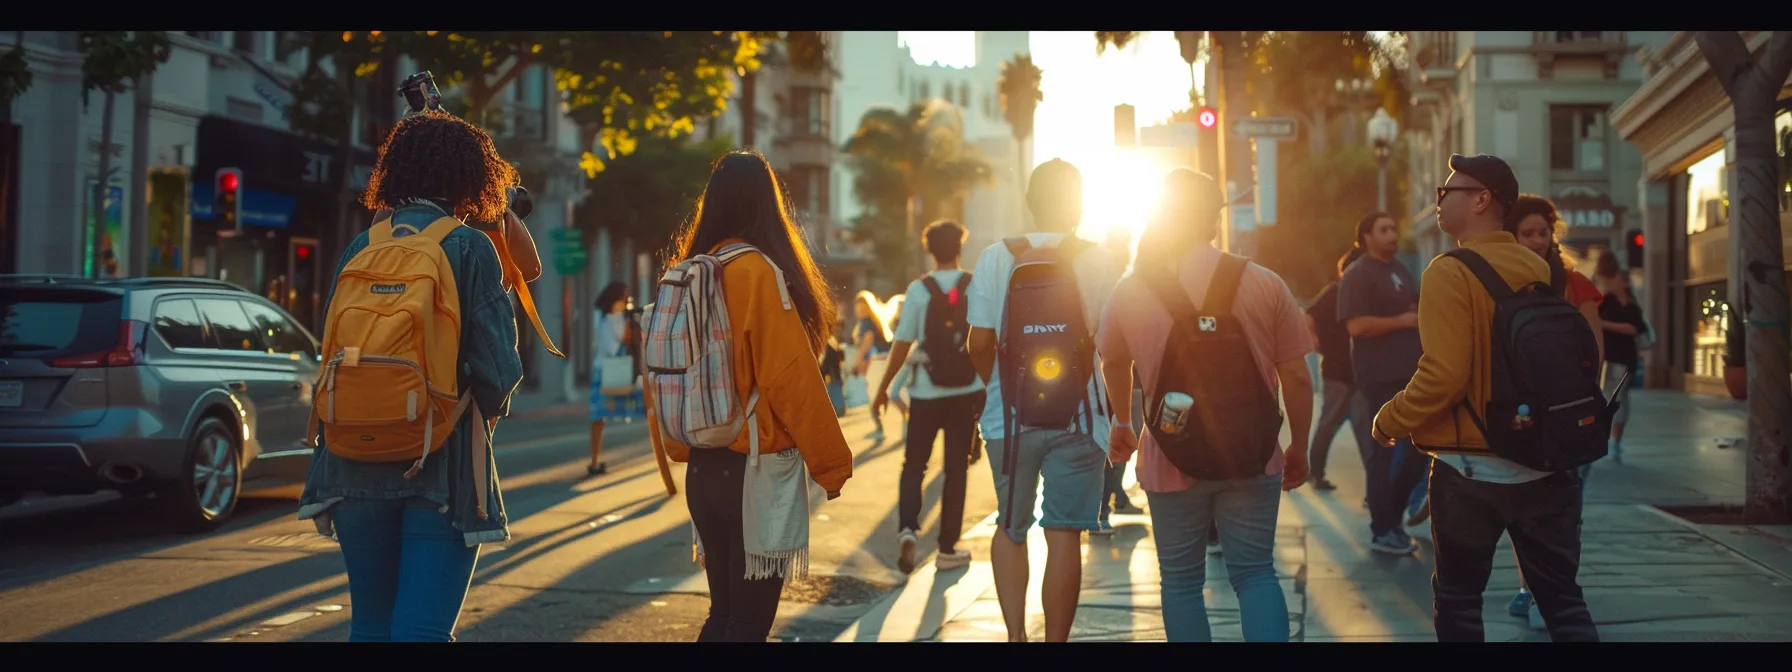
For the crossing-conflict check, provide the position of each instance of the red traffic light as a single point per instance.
(303, 252)
(1637, 240)
(1207, 117)
(227, 181)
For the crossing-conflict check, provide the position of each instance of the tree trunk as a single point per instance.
(1020, 180)
(749, 109)
(96, 221)
(1753, 85)
(139, 236)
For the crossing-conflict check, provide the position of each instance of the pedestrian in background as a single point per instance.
(871, 349)
(615, 383)
(1335, 368)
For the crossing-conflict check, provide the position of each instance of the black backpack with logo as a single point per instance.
(943, 334)
(1547, 410)
(1234, 426)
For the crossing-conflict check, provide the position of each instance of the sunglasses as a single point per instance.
(1445, 191)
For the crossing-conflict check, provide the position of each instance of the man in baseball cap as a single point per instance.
(1475, 494)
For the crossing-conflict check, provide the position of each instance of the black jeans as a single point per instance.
(740, 609)
(1543, 519)
(1390, 489)
(927, 419)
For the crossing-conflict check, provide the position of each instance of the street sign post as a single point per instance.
(1273, 128)
(569, 251)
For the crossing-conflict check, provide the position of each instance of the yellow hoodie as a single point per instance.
(1455, 330)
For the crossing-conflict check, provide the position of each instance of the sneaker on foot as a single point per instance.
(905, 550)
(598, 469)
(876, 435)
(1319, 483)
(1213, 547)
(1520, 604)
(1105, 531)
(1393, 543)
(1128, 509)
(950, 561)
(1420, 516)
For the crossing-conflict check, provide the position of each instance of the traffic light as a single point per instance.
(1126, 130)
(1207, 141)
(303, 252)
(227, 202)
(1633, 249)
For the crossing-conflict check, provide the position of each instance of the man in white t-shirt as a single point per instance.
(934, 409)
(1072, 463)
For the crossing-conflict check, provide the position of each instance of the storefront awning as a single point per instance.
(266, 209)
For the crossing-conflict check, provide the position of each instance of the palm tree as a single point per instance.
(925, 147)
(1021, 95)
(1753, 83)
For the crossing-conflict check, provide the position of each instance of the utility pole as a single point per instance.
(1231, 48)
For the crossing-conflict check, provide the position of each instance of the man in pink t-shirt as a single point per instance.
(1134, 328)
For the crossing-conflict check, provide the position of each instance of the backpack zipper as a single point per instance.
(1571, 404)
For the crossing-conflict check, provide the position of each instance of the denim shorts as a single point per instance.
(1072, 466)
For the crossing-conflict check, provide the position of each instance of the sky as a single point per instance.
(1075, 122)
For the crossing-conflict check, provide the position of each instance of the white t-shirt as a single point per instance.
(1095, 278)
(911, 328)
(1491, 469)
(609, 330)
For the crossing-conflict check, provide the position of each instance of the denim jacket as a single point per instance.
(490, 369)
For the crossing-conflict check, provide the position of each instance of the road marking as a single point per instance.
(284, 620)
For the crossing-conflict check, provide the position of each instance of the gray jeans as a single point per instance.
(1333, 411)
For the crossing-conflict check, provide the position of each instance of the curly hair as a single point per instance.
(438, 155)
(1560, 260)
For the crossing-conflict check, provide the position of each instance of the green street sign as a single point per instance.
(569, 251)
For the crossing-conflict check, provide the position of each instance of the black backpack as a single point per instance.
(1045, 355)
(1547, 410)
(1235, 424)
(943, 334)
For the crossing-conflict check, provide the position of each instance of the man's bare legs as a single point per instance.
(1063, 582)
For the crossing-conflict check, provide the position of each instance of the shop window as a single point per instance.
(1707, 194)
(1709, 318)
(1577, 137)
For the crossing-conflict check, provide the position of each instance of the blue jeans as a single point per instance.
(1245, 511)
(408, 570)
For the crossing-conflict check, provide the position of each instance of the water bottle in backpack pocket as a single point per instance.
(1211, 413)
(1547, 410)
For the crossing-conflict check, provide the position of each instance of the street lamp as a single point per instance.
(1383, 130)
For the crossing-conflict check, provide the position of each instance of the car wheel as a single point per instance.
(212, 477)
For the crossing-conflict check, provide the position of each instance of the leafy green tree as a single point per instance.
(114, 61)
(1020, 97)
(644, 197)
(911, 167)
(15, 75)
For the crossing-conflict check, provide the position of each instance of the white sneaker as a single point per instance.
(954, 560)
(905, 550)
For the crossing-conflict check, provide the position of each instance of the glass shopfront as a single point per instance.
(1709, 323)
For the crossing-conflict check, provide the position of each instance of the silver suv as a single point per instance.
(183, 388)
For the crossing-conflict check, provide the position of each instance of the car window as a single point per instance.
(178, 323)
(231, 328)
(278, 332)
(48, 322)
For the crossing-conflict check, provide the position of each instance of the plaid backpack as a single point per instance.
(690, 354)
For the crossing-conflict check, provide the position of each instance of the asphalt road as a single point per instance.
(591, 559)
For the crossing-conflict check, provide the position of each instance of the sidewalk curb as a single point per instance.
(1701, 531)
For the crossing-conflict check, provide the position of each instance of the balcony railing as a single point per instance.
(1551, 45)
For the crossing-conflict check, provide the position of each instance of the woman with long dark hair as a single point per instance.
(774, 352)
(616, 338)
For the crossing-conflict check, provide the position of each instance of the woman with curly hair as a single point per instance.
(410, 540)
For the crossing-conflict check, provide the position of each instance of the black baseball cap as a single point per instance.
(1492, 172)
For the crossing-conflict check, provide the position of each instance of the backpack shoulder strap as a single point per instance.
(738, 250)
(1223, 287)
(1017, 245)
(380, 232)
(964, 283)
(439, 229)
(1169, 292)
(1490, 279)
(933, 287)
(1072, 245)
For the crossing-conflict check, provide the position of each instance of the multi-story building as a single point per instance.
(1684, 125)
(878, 71)
(1541, 100)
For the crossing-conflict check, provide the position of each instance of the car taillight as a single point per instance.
(128, 351)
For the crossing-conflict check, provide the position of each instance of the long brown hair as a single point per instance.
(1560, 261)
(745, 200)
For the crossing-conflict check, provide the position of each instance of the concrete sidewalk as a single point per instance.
(1648, 575)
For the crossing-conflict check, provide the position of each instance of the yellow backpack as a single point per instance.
(388, 391)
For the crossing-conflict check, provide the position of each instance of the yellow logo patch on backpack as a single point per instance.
(388, 391)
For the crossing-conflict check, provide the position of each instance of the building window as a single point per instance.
(1577, 135)
(964, 96)
(809, 187)
(926, 92)
(1709, 325)
(812, 111)
(1578, 35)
(243, 40)
(1707, 194)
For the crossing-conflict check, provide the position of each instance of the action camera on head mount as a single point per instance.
(420, 93)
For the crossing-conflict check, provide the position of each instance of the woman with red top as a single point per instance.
(1534, 222)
